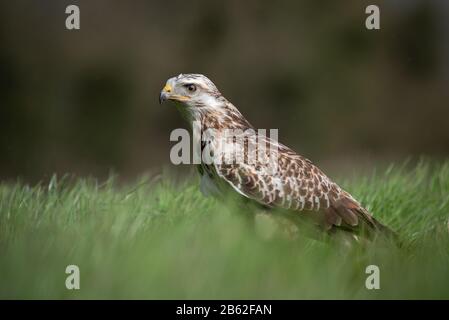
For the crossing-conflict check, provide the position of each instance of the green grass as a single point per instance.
(158, 238)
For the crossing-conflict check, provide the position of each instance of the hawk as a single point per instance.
(289, 183)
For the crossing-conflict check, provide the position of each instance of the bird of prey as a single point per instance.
(290, 183)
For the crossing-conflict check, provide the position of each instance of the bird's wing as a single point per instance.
(290, 181)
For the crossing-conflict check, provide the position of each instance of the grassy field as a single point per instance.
(160, 238)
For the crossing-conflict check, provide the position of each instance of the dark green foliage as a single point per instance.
(160, 239)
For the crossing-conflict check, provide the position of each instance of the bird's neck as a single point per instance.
(214, 118)
(219, 118)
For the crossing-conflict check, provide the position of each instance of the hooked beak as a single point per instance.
(164, 95)
(167, 94)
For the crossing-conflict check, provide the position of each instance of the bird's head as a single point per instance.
(192, 90)
(197, 97)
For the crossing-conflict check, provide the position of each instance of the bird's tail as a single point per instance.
(375, 229)
(359, 220)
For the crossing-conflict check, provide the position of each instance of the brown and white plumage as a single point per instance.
(286, 181)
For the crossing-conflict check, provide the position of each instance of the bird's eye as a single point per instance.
(191, 87)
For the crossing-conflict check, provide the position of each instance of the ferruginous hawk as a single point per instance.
(290, 183)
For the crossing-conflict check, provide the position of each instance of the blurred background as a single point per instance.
(85, 101)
